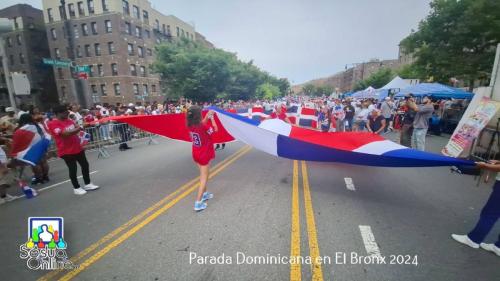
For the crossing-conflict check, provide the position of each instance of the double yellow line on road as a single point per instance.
(295, 268)
(141, 219)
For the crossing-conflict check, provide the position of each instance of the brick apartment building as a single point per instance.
(24, 35)
(116, 38)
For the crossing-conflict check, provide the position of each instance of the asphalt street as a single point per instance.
(140, 225)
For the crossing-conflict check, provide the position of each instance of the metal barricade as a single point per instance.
(105, 135)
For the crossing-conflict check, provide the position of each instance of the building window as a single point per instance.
(21, 58)
(136, 89)
(93, 26)
(140, 52)
(145, 16)
(87, 50)
(11, 59)
(100, 70)
(60, 73)
(133, 70)
(94, 89)
(63, 92)
(50, 15)
(9, 42)
(71, 8)
(109, 28)
(182, 32)
(135, 9)
(157, 25)
(145, 89)
(130, 48)
(148, 34)
(143, 71)
(81, 10)
(138, 32)
(150, 52)
(76, 33)
(90, 5)
(164, 29)
(103, 90)
(18, 38)
(128, 29)
(178, 32)
(111, 48)
(78, 52)
(168, 30)
(153, 88)
(97, 49)
(53, 33)
(91, 70)
(85, 29)
(117, 89)
(114, 69)
(57, 53)
(126, 9)
(105, 5)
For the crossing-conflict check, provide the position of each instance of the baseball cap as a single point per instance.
(9, 109)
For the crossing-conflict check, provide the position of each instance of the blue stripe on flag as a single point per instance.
(305, 122)
(36, 152)
(300, 150)
(235, 116)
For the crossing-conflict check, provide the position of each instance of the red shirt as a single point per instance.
(203, 147)
(65, 145)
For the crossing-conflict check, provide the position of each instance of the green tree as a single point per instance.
(202, 74)
(268, 91)
(309, 89)
(410, 71)
(376, 80)
(458, 39)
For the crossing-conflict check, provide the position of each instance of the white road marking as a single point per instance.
(369, 240)
(349, 184)
(51, 186)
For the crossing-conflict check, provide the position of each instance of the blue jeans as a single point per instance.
(418, 138)
(489, 216)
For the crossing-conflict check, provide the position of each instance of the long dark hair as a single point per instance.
(27, 119)
(193, 116)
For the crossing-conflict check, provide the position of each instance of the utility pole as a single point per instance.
(6, 70)
(79, 86)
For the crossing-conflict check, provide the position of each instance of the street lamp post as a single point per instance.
(6, 70)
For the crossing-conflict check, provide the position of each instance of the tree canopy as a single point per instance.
(203, 74)
(458, 39)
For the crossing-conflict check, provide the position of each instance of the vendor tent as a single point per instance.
(367, 93)
(435, 90)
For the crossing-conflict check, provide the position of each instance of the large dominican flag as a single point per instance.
(284, 140)
(29, 145)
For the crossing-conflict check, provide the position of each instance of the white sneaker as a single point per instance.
(9, 198)
(491, 248)
(90, 186)
(79, 191)
(464, 239)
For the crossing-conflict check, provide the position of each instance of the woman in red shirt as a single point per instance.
(203, 149)
(70, 149)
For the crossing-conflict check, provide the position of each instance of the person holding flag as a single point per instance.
(203, 149)
(69, 145)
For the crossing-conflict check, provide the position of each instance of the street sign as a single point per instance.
(57, 63)
(82, 68)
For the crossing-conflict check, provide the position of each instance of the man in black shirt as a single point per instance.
(408, 118)
(376, 122)
(349, 115)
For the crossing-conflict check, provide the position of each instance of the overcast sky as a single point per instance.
(298, 39)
